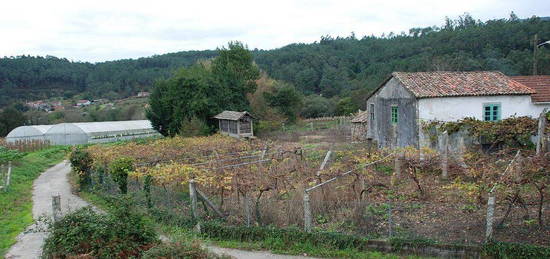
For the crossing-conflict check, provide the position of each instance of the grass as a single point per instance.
(278, 246)
(16, 204)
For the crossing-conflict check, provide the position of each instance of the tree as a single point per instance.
(317, 106)
(235, 73)
(203, 90)
(189, 93)
(346, 106)
(10, 118)
(285, 99)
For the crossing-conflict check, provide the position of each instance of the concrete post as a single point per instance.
(8, 176)
(541, 142)
(445, 155)
(56, 207)
(490, 215)
(246, 204)
(398, 160)
(307, 213)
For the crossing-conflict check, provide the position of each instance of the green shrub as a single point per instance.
(81, 162)
(120, 168)
(179, 250)
(514, 250)
(9, 155)
(124, 233)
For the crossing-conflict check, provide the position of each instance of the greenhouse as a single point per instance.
(86, 132)
(27, 133)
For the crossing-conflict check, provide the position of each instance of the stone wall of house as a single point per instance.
(359, 131)
(381, 129)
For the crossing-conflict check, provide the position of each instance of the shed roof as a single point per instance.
(447, 84)
(362, 116)
(541, 84)
(231, 115)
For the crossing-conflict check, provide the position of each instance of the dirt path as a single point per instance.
(52, 182)
(242, 254)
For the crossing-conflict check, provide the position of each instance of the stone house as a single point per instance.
(400, 105)
(235, 124)
(359, 126)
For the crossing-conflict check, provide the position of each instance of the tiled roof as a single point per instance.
(362, 116)
(444, 84)
(541, 84)
(231, 115)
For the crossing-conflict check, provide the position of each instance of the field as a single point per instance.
(262, 183)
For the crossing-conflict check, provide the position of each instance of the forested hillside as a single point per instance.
(333, 67)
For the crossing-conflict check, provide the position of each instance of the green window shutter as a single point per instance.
(394, 114)
(491, 112)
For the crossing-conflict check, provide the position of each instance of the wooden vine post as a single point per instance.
(541, 142)
(193, 196)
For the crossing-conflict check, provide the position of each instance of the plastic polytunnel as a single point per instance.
(25, 133)
(98, 132)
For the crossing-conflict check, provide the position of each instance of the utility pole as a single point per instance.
(535, 47)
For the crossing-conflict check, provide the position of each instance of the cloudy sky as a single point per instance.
(107, 30)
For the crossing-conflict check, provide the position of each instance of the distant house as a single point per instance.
(359, 126)
(235, 124)
(81, 103)
(143, 94)
(399, 106)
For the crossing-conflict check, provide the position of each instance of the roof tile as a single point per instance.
(445, 83)
(541, 84)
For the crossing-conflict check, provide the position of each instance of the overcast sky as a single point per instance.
(107, 30)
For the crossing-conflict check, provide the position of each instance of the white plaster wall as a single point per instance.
(456, 108)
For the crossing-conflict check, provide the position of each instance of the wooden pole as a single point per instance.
(535, 47)
(193, 196)
(541, 142)
(209, 203)
(56, 207)
(308, 222)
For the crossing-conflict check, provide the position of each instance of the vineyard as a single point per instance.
(377, 193)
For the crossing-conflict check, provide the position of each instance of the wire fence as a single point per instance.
(461, 223)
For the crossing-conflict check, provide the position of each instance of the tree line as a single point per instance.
(328, 77)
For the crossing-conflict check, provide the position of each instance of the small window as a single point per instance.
(491, 112)
(371, 110)
(394, 114)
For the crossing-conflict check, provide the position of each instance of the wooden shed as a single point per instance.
(359, 126)
(235, 124)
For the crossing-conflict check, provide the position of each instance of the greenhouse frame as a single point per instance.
(27, 133)
(87, 132)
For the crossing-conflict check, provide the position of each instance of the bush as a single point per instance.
(122, 234)
(9, 155)
(120, 168)
(194, 127)
(81, 162)
(179, 250)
